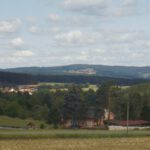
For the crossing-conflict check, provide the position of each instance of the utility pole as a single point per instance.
(109, 105)
(128, 111)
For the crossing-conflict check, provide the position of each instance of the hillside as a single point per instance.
(7, 78)
(98, 70)
(9, 122)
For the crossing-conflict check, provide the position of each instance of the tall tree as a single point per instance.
(71, 105)
(103, 98)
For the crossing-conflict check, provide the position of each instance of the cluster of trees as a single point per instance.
(138, 98)
(53, 106)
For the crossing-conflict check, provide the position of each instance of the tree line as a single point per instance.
(74, 103)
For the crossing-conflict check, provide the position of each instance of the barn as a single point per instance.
(132, 124)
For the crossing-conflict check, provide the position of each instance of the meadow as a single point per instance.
(77, 144)
(6, 121)
(53, 86)
(70, 134)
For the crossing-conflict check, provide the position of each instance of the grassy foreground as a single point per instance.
(67, 134)
(77, 144)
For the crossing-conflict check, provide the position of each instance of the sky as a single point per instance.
(63, 32)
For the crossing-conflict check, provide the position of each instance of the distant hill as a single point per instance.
(8, 78)
(96, 70)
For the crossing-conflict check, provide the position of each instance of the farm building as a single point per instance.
(90, 120)
(133, 124)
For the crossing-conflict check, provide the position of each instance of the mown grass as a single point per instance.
(18, 123)
(67, 134)
(77, 144)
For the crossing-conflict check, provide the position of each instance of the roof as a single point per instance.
(130, 122)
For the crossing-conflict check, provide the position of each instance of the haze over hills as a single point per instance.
(83, 69)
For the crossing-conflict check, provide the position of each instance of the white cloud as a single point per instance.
(17, 42)
(128, 8)
(84, 4)
(44, 30)
(34, 29)
(53, 30)
(121, 47)
(9, 26)
(32, 19)
(78, 38)
(25, 53)
(147, 43)
(130, 2)
(54, 17)
(107, 8)
(69, 37)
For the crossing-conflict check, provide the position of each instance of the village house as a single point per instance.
(27, 88)
(21, 88)
(9, 90)
(90, 120)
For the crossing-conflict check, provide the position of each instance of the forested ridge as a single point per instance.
(19, 78)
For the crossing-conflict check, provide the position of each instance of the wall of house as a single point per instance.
(90, 123)
(125, 128)
(67, 124)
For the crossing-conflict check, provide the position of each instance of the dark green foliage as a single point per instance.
(42, 126)
(72, 104)
(14, 78)
(7, 78)
(13, 109)
(54, 117)
(102, 98)
(90, 97)
(75, 103)
(139, 102)
(3, 104)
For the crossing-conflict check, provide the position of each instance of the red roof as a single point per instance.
(131, 122)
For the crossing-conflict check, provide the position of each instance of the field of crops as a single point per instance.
(77, 144)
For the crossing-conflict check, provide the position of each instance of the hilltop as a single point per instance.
(84, 69)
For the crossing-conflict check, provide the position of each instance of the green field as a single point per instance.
(77, 144)
(19, 123)
(69, 139)
(63, 86)
(69, 133)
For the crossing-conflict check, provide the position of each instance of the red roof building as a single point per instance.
(130, 123)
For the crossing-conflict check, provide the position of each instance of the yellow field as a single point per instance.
(77, 144)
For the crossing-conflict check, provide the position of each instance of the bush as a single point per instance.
(42, 126)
